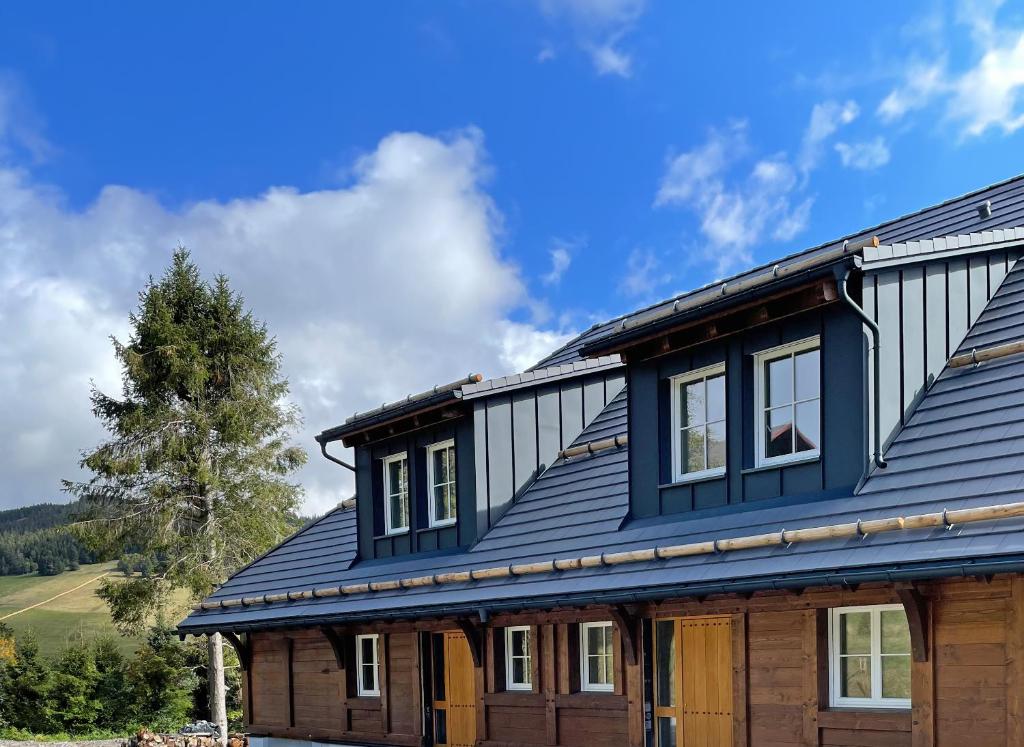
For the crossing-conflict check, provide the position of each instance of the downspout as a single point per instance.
(876, 359)
(331, 457)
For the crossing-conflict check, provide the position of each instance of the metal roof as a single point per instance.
(954, 217)
(944, 247)
(536, 376)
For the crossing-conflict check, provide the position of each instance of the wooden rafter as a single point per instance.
(916, 607)
(242, 646)
(473, 638)
(625, 620)
(337, 644)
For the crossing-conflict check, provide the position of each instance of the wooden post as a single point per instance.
(634, 684)
(383, 667)
(740, 683)
(813, 629)
(922, 689)
(417, 687)
(290, 650)
(1015, 663)
(550, 681)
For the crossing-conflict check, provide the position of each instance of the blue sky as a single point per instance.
(407, 191)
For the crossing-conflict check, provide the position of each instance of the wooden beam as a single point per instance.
(473, 638)
(916, 607)
(626, 623)
(243, 647)
(337, 644)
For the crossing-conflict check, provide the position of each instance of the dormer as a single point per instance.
(434, 471)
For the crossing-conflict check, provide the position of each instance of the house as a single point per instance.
(783, 509)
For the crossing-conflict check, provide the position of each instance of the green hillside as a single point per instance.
(68, 607)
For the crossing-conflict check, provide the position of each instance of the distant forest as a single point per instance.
(31, 541)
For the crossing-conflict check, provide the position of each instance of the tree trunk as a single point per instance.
(218, 693)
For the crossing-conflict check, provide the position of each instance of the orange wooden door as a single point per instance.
(693, 685)
(458, 708)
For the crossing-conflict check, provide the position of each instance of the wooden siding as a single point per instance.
(968, 691)
(924, 313)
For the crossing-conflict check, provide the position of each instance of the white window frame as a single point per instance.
(835, 671)
(510, 683)
(431, 484)
(585, 684)
(360, 663)
(677, 383)
(388, 492)
(762, 357)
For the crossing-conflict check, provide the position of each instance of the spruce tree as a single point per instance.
(195, 471)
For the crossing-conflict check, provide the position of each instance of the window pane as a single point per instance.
(666, 732)
(369, 650)
(808, 426)
(716, 444)
(778, 382)
(368, 684)
(399, 514)
(520, 642)
(396, 476)
(518, 671)
(895, 676)
(716, 398)
(808, 375)
(855, 673)
(778, 432)
(594, 670)
(855, 633)
(895, 632)
(440, 726)
(693, 404)
(595, 640)
(692, 444)
(437, 642)
(666, 665)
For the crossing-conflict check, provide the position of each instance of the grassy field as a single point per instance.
(79, 612)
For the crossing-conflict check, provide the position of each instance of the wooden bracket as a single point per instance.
(337, 644)
(243, 647)
(474, 639)
(626, 622)
(916, 607)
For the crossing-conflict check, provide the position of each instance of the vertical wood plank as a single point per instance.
(383, 649)
(417, 687)
(481, 712)
(549, 681)
(810, 678)
(617, 662)
(1015, 664)
(740, 687)
(290, 646)
(922, 688)
(635, 693)
(489, 646)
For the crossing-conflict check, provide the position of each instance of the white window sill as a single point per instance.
(396, 533)
(788, 461)
(692, 477)
(440, 525)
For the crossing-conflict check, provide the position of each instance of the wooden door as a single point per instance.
(693, 682)
(455, 691)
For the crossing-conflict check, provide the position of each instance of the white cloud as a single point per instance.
(736, 211)
(983, 95)
(643, 275)
(561, 257)
(866, 155)
(399, 272)
(599, 27)
(826, 118)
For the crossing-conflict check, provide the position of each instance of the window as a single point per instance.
(788, 395)
(367, 679)
(518, 662)
(597, 665)
(698, 424)
(870, 656)
(396, 494)
(441, 481)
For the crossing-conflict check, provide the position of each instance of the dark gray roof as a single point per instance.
(570, 352)
(953, 217)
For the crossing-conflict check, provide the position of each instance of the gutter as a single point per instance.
(929, 570)
(876, 336)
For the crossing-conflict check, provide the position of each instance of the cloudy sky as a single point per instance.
(407, 192)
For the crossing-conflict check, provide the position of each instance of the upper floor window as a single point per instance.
(396, 494)
(698, 423)
(367, 666)
(518, 659)
(870, 656)
(787, 391)
(597, 660)
(441, 482)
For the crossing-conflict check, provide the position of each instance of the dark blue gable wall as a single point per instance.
(843, 447)
(370, 492)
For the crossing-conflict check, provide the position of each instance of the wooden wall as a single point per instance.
(969, 691)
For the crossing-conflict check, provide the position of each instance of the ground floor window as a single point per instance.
(597, 659)
(869, 653)
(693, 689)
(367, 666)
(518, 659)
